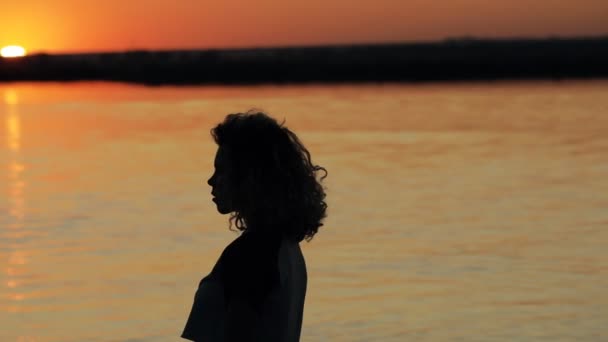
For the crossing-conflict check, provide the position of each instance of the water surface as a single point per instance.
(472, 212)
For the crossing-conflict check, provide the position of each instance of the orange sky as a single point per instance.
(83, 25)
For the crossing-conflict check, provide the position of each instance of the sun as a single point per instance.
(12, 51)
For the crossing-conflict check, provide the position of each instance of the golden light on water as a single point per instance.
(14, 132)
(12, 51)
(15, 166)
(10, 97)
(12, 120)
(16, 195)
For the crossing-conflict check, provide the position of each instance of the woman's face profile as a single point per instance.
(221, 189)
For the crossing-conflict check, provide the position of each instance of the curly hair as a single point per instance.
(275, 180)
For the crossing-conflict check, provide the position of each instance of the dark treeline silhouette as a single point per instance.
(452, 59)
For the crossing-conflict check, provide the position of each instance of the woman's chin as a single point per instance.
(221, 207)
(223, 210)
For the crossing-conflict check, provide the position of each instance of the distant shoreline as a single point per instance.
(449, 60)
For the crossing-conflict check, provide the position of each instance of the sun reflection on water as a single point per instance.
(10, 97)
(17, 258)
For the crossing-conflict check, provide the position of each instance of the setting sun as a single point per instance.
(12, 51)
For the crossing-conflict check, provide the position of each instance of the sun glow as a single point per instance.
(12, 51)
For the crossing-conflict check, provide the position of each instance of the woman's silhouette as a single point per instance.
(265, 179)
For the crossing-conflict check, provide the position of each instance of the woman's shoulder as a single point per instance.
(242, 246)
(250, 250)
(249, 266)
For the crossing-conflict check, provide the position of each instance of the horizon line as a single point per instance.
(464, 38)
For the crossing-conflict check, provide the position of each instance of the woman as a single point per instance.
(265, 179)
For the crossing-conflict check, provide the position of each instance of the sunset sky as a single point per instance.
(81, 25)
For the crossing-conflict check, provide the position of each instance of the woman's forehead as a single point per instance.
(220, 155)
